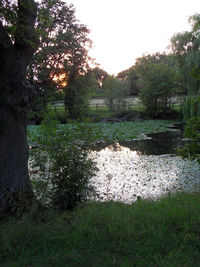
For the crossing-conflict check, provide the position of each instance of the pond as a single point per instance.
(141, 168)
(146, 168)
(152, 144)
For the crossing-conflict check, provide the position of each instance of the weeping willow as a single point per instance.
(186, 48)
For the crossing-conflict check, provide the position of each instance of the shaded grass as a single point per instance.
(95, 113)
(146, 233)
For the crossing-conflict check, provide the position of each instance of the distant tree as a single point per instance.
(100, 75)
(130, 76)
(156, 81)
(186, 48)
(123, 74)
(78, 93)
(115, 91)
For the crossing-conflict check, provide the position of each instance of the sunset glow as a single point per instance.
(121, 31)
(60, 79)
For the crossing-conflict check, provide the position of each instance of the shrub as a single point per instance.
(61, 164)
(192, 130)
(191, 107)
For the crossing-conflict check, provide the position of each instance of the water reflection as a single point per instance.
(152, 144)
(125, 175)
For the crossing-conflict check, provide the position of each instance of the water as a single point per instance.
(154, 144)
(147, 168)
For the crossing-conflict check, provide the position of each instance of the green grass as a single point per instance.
(161, 233)
(94, 113)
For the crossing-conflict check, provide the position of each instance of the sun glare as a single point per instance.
(60, 79)
(64, 84)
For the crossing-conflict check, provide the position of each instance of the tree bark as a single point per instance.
(15, 99)
(14, 178)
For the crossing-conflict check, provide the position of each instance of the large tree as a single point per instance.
(18, 43)
(46, 36)
(62, 57)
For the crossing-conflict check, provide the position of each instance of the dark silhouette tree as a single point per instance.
(131, 76)
(100, 75)
(38, 40)
(18, 42)
(63, 49)
(62, 57)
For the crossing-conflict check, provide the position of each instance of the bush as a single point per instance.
(61, 169)
(192, 131)
(191, 107)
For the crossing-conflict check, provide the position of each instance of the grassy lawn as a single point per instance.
(161, 233)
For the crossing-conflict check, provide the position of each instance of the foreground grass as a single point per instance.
(161, 233)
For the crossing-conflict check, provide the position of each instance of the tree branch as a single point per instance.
(25, 36)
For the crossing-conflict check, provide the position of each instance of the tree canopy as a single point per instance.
(63, 51)
(157, 80)
(115, 91)
(46, 36)
(186, 48)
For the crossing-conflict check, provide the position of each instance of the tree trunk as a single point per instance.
(14, 178)
(15, 99)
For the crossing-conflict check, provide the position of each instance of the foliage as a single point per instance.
(185, 47)
(61, 163)
(191, 107)
(115, 92)
(130, 76)
(146, 233)
(157, 81)
(62, 56)
(78, 94)
(100, 75)
(133, 74)
(191, 150)
(102, 131)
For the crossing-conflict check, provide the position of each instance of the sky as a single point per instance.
(123, 30)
